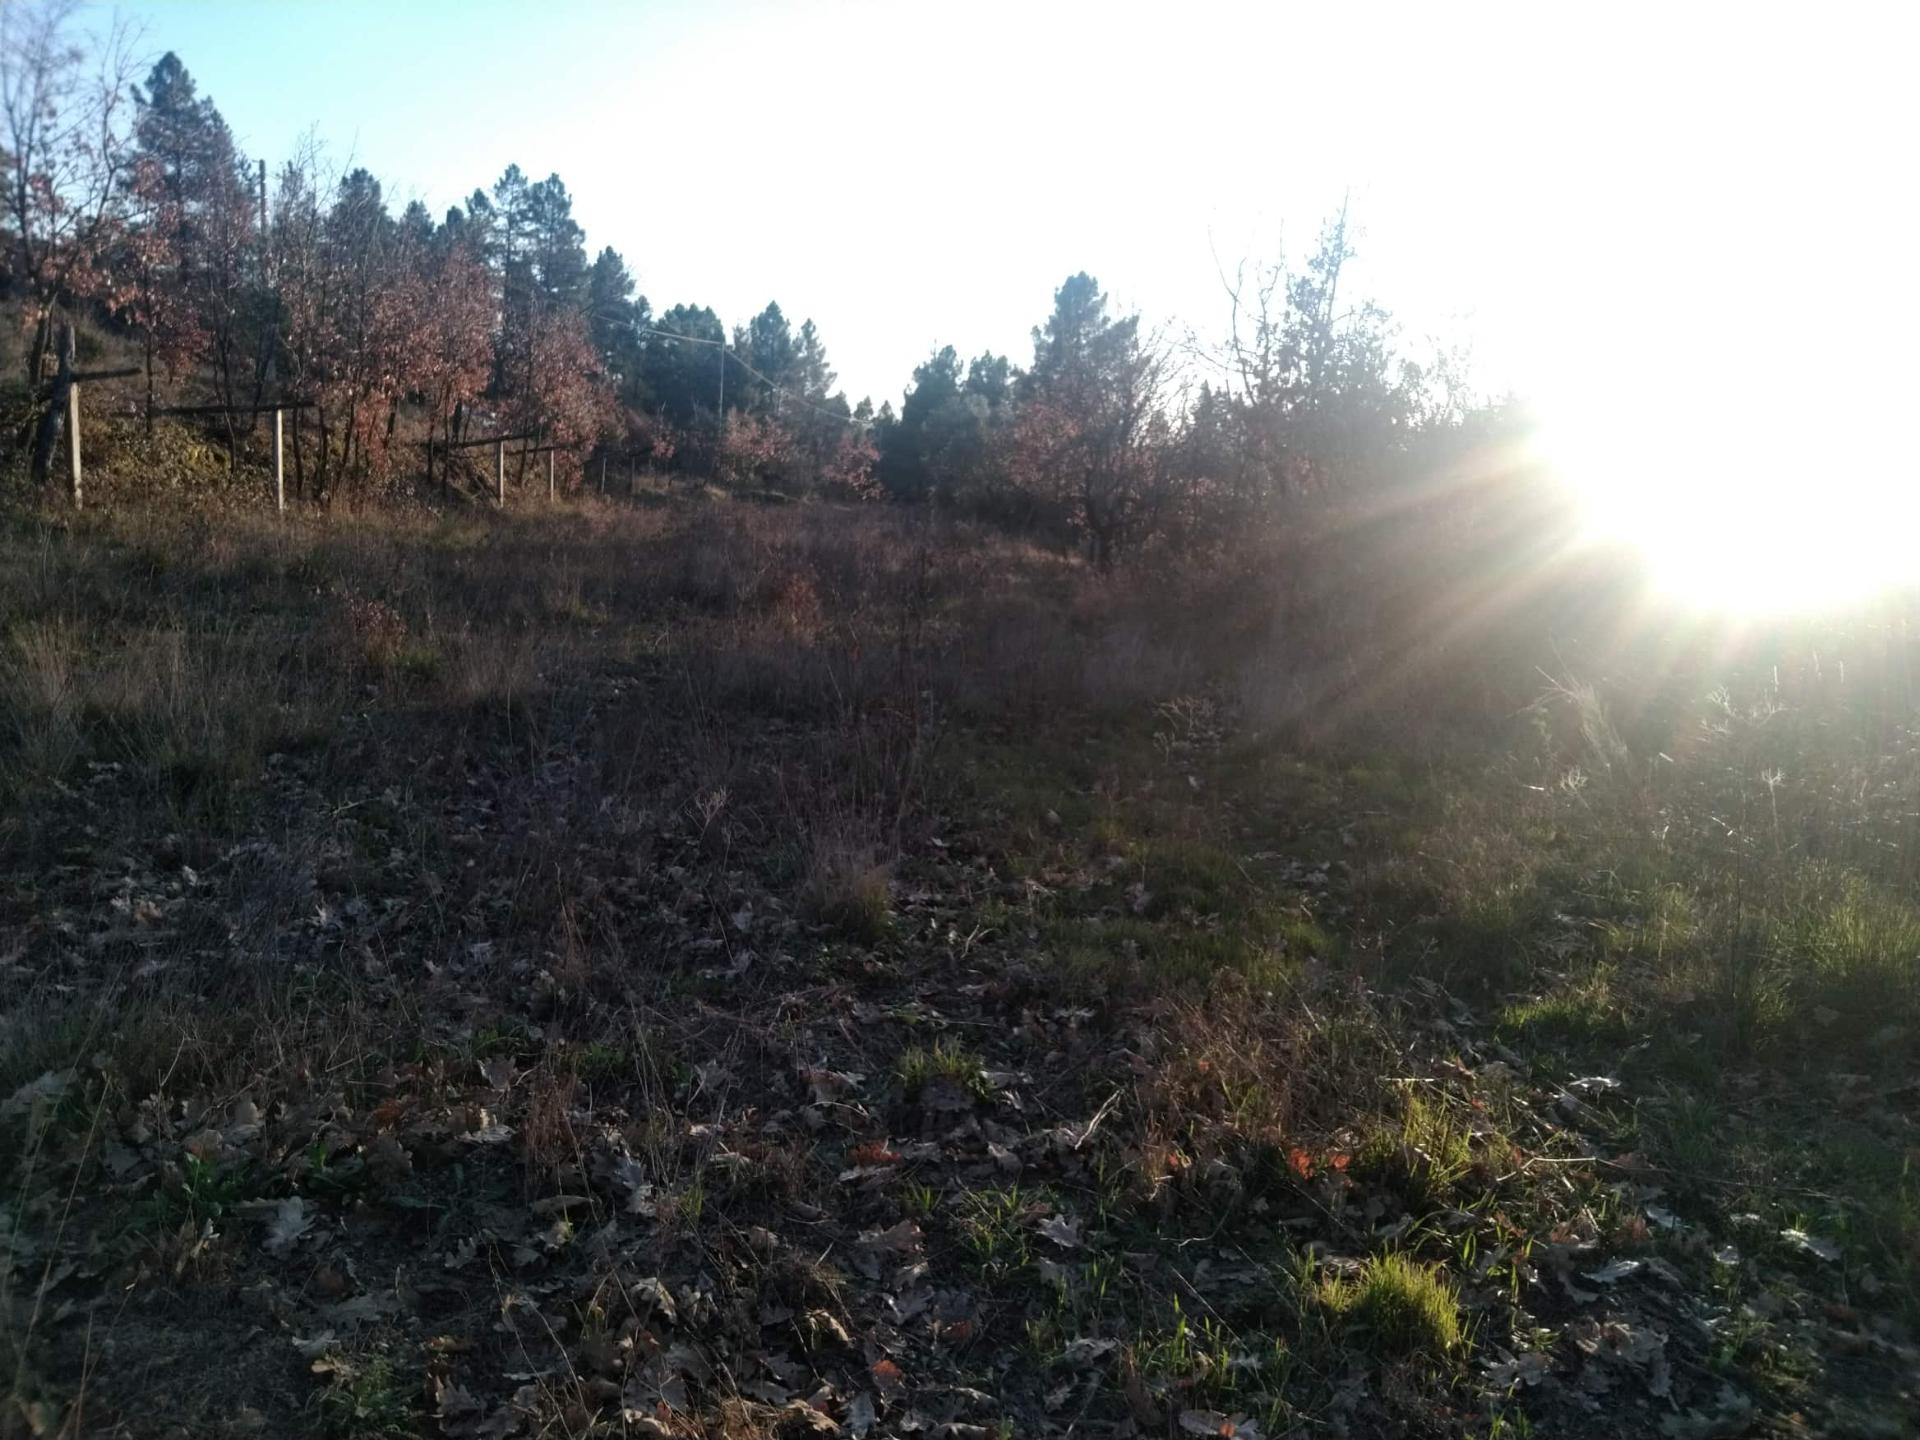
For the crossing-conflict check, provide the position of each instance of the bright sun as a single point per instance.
(1735, 508)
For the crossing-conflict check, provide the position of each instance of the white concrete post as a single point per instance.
(73, 438)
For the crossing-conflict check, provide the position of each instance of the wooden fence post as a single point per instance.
(279, 467)
(500, 469)
(550, 489)
(603, 472)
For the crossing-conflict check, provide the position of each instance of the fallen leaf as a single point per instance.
(799, 1418)
(1812, 1245)
(291, 1220)
(899, 1239)
(1529, 1367)
(1612, 1272)
(651, 1297)
(1212, 1422)
(1086, 1350)
(860, 1415)
(456, 1402)
(1061, 1231)
(1594, 1085)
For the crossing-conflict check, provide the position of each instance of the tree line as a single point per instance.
(127, 199)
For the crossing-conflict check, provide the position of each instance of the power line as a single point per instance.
(727, 353)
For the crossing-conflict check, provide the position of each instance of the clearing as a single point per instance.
(705, 969)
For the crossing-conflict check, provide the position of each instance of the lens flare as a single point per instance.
(1734, 509)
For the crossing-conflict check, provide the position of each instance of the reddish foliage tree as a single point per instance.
(150, 291)
(849, 467)
(567, 401)
(452, 330)
(752, 448)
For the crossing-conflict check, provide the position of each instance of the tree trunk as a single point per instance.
(346, 441)
(322, 461)
(52, 419)
(37, 352)
(299, 466)
(223, 386)
(47, 435)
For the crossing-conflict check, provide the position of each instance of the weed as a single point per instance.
(363, 1399)
(1195, 1357)
(599, 1062)
(920, 1065)
(918, 1201)
(993, 1227)
(200, 1192)
(1424, 1156)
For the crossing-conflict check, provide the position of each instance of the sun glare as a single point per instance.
(1737, 512)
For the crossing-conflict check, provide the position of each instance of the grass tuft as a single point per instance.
(1398, 1307)
(363, 1399)
(848, 888)
(920, 1065)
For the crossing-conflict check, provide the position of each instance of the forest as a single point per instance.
(132, 214)
(1162, 886)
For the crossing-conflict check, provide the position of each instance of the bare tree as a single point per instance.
(64, 108)
(1314, 392)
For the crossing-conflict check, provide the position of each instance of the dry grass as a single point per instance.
(847, 883)
(767, 879)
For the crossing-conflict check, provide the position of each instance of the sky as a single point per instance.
(1696, 208)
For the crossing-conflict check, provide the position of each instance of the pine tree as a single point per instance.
(1091, 433)
(617, 319)
(768, 346)
(196, 196)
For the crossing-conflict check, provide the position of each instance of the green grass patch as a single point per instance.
(1397, 1307)
(920, 1065)
(1580, 1017)
(993, 1227)
(364, 1399)
(1424, 1157)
